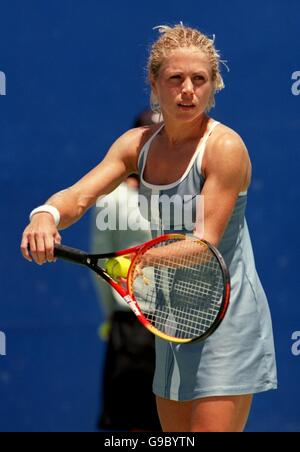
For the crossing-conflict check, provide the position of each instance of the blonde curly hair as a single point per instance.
(178, 37)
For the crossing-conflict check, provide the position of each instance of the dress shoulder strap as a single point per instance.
(203, 144)
(146, 147)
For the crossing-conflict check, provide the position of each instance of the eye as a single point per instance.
(175, 77)
(200, 78)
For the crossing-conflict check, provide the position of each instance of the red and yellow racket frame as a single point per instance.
(129, 297)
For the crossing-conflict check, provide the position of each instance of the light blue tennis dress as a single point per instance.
(239, 358)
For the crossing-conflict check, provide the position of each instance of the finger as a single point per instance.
(140, 274)
(146, 281)
(139, 271)
(57, 241)
(24, 248)
(49, 248)
(40, 249)
(32, 246)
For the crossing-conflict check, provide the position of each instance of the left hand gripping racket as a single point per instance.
(178, 286)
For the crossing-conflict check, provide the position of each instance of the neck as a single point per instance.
(178, 132)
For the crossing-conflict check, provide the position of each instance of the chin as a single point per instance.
(189, 116)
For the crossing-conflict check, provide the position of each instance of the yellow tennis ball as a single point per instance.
(117, 267)
(104, 330)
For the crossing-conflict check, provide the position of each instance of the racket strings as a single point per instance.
(186, 315)
(182, 323)
(179, 287)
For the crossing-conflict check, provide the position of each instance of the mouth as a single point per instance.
(186, 106)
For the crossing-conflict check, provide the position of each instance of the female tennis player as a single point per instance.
(206, 386)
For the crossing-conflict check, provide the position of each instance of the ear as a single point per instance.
(154, 103)
(212, 101)
(153, 85)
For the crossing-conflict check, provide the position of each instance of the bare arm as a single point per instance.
(102, 180)
(228, 172)
(41, 233)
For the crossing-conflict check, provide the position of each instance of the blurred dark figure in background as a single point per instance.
(127, 397)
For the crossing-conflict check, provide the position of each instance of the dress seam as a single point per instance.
(259, 316)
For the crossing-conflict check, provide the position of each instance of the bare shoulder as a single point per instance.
(227, 158)
(225, 142)
(129, 145)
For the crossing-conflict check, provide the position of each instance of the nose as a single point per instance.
(188, 87)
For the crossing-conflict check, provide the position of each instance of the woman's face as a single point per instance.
(184, 85)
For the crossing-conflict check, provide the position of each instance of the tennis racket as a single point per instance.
(178, 286)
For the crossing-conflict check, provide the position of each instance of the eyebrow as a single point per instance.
(180, 72)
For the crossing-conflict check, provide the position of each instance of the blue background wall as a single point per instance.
(75, 80)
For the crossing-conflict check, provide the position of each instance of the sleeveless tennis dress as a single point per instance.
(239, 358)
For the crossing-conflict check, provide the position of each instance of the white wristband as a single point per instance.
(49, 209)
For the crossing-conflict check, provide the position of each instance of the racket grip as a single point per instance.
(70, 254)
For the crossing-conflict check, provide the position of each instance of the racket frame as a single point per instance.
(91, 261)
